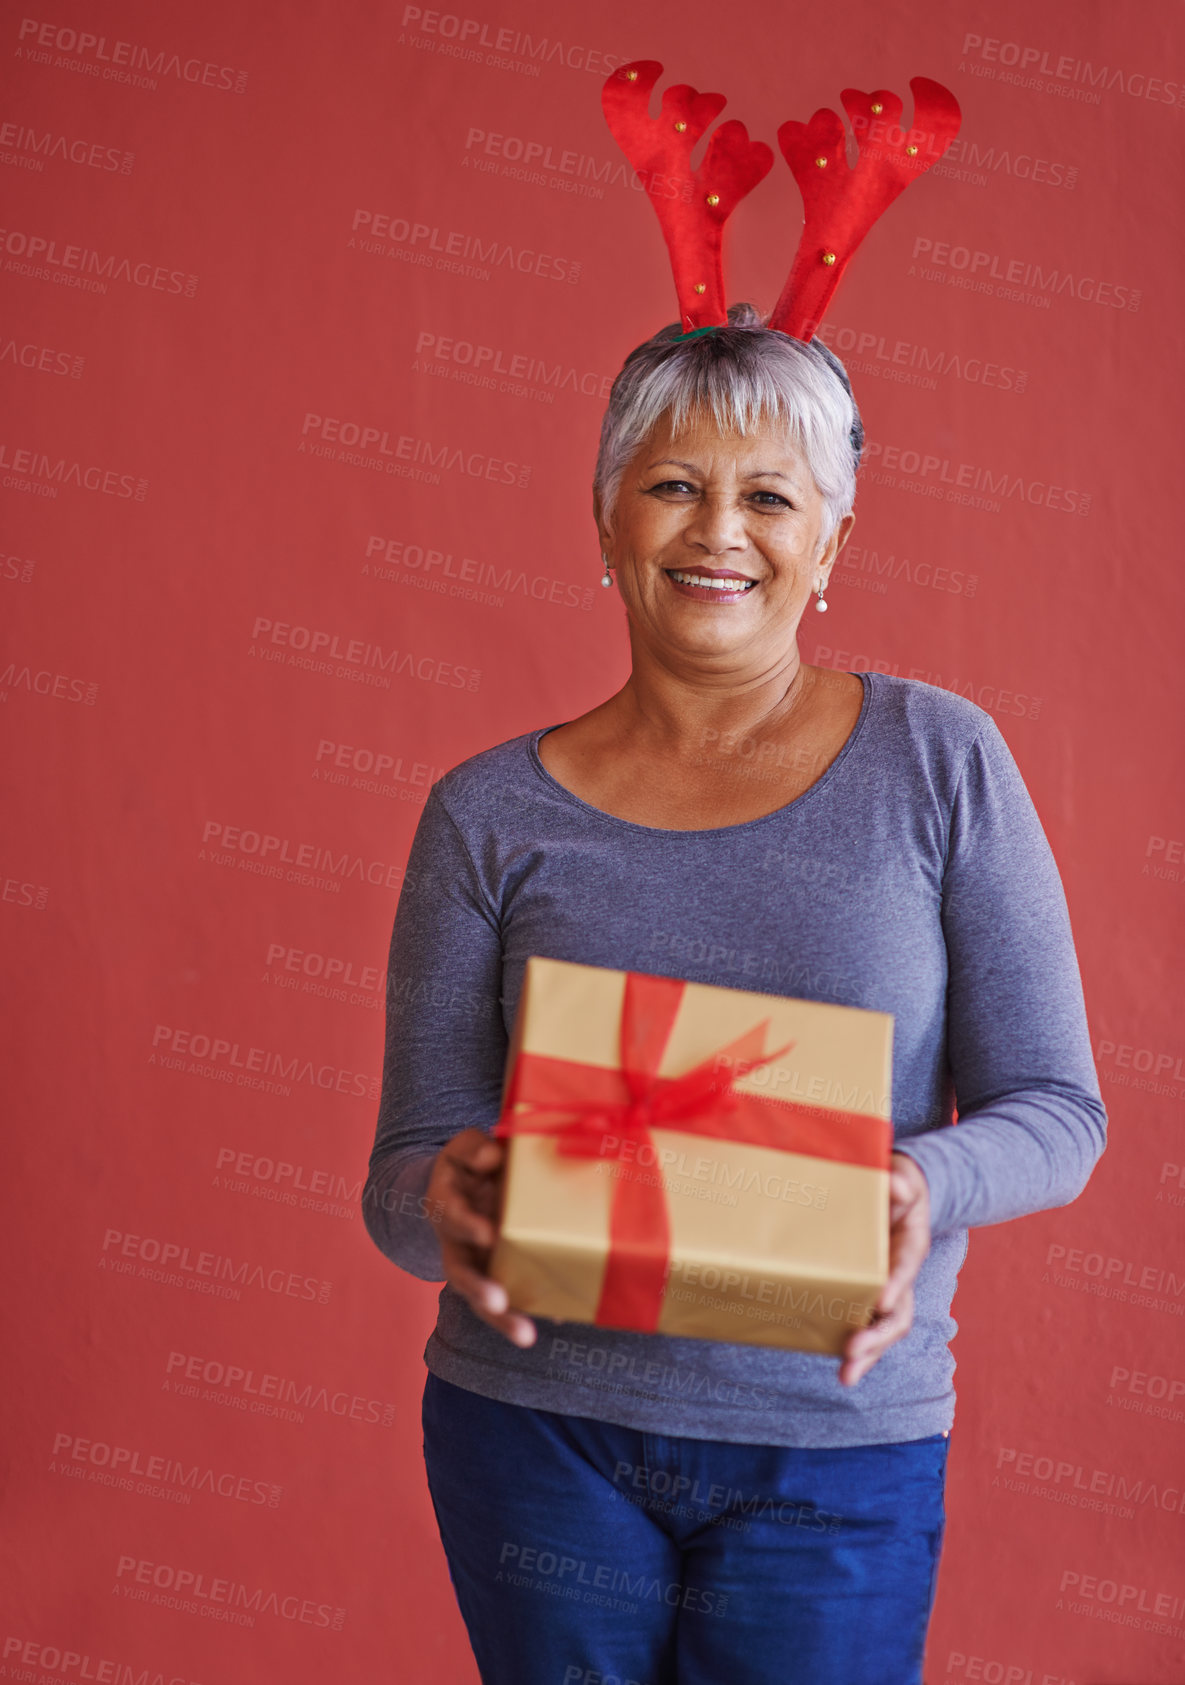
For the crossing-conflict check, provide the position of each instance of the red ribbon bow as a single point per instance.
(597, 1112)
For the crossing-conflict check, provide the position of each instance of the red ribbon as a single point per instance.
(594, 1112)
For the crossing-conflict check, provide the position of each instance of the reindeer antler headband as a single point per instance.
(842, 201)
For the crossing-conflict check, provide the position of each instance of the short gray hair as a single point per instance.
(741, 374)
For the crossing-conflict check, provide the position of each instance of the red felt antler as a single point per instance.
(692, 205)
(842, 202)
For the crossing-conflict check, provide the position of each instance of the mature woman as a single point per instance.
(631, 1507)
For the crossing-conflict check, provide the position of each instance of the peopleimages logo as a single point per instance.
(604, 1371)
(42, 682)
(289, 1068)
(19, 568)
(38, 146)
(991, 1672)
(412, 457)
(966, 483)
(337, 655)
(1145, 1607)
(1155, 1071)
(38, 255)
(501, 46)
(1078, 1486)
(1021, 279)
(915, 365)
(269, 855)
(28, 469)
(1149, 1395)
(479, 581)
(134, 1470)
(346, 974)
(965, 159)
(541, 164)
(473, 256)
(193, 1592)
(19, 893)
(260, 1393)
(58, 1658)
(45, 359)
(284, 1183)
(204, 1272)
(120, 61)
(516, 371)
(1124, 1279)
(873, 572)
(1170, 867)
(1014, 704)
(1074, 78)
(578, 1579)
(380, 773)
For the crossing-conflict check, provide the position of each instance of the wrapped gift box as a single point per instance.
(691, 1160)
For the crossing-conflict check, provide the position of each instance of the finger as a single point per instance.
(478, 1164)
(488, 1300)
(888, 1327)
(460, 1222)
(902, 1192)
(454, 1178)
(466, 1277)
(482, 1197)
(853, 1370)
(909, 1246)
(904, 1266)
(885, 1332)
(865, 1346)
(474, 1150)
(518, 1329)
(906, 1177)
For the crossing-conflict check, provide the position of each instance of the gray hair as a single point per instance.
(741, 374)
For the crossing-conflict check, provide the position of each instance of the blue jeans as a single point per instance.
(583, 1553)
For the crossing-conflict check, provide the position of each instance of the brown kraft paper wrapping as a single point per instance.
(767, 1247)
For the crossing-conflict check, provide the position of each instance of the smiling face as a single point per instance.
(702, 506)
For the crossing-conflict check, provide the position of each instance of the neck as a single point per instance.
(675, 709)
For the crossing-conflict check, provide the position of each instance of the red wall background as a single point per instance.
(242, 634)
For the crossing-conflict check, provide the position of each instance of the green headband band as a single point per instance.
(695, 333)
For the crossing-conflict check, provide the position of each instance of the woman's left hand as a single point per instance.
(909, 1242)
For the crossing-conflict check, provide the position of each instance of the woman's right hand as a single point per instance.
(466, 1185)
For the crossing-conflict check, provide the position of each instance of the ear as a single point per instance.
(604, 533)
(827, 556)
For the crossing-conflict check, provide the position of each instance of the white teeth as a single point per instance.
(713, 584)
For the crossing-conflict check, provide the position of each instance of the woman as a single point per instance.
(619, 1506)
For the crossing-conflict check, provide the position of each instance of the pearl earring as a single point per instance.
(821, 605)
(606, 577)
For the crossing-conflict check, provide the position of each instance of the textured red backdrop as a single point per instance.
(309, 316)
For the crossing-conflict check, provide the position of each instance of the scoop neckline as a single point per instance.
(534, 737)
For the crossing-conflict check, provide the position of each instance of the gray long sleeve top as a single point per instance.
(913, 878)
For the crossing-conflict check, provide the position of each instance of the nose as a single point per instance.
(717, 527)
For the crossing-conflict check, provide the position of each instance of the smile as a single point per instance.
(704, 587)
